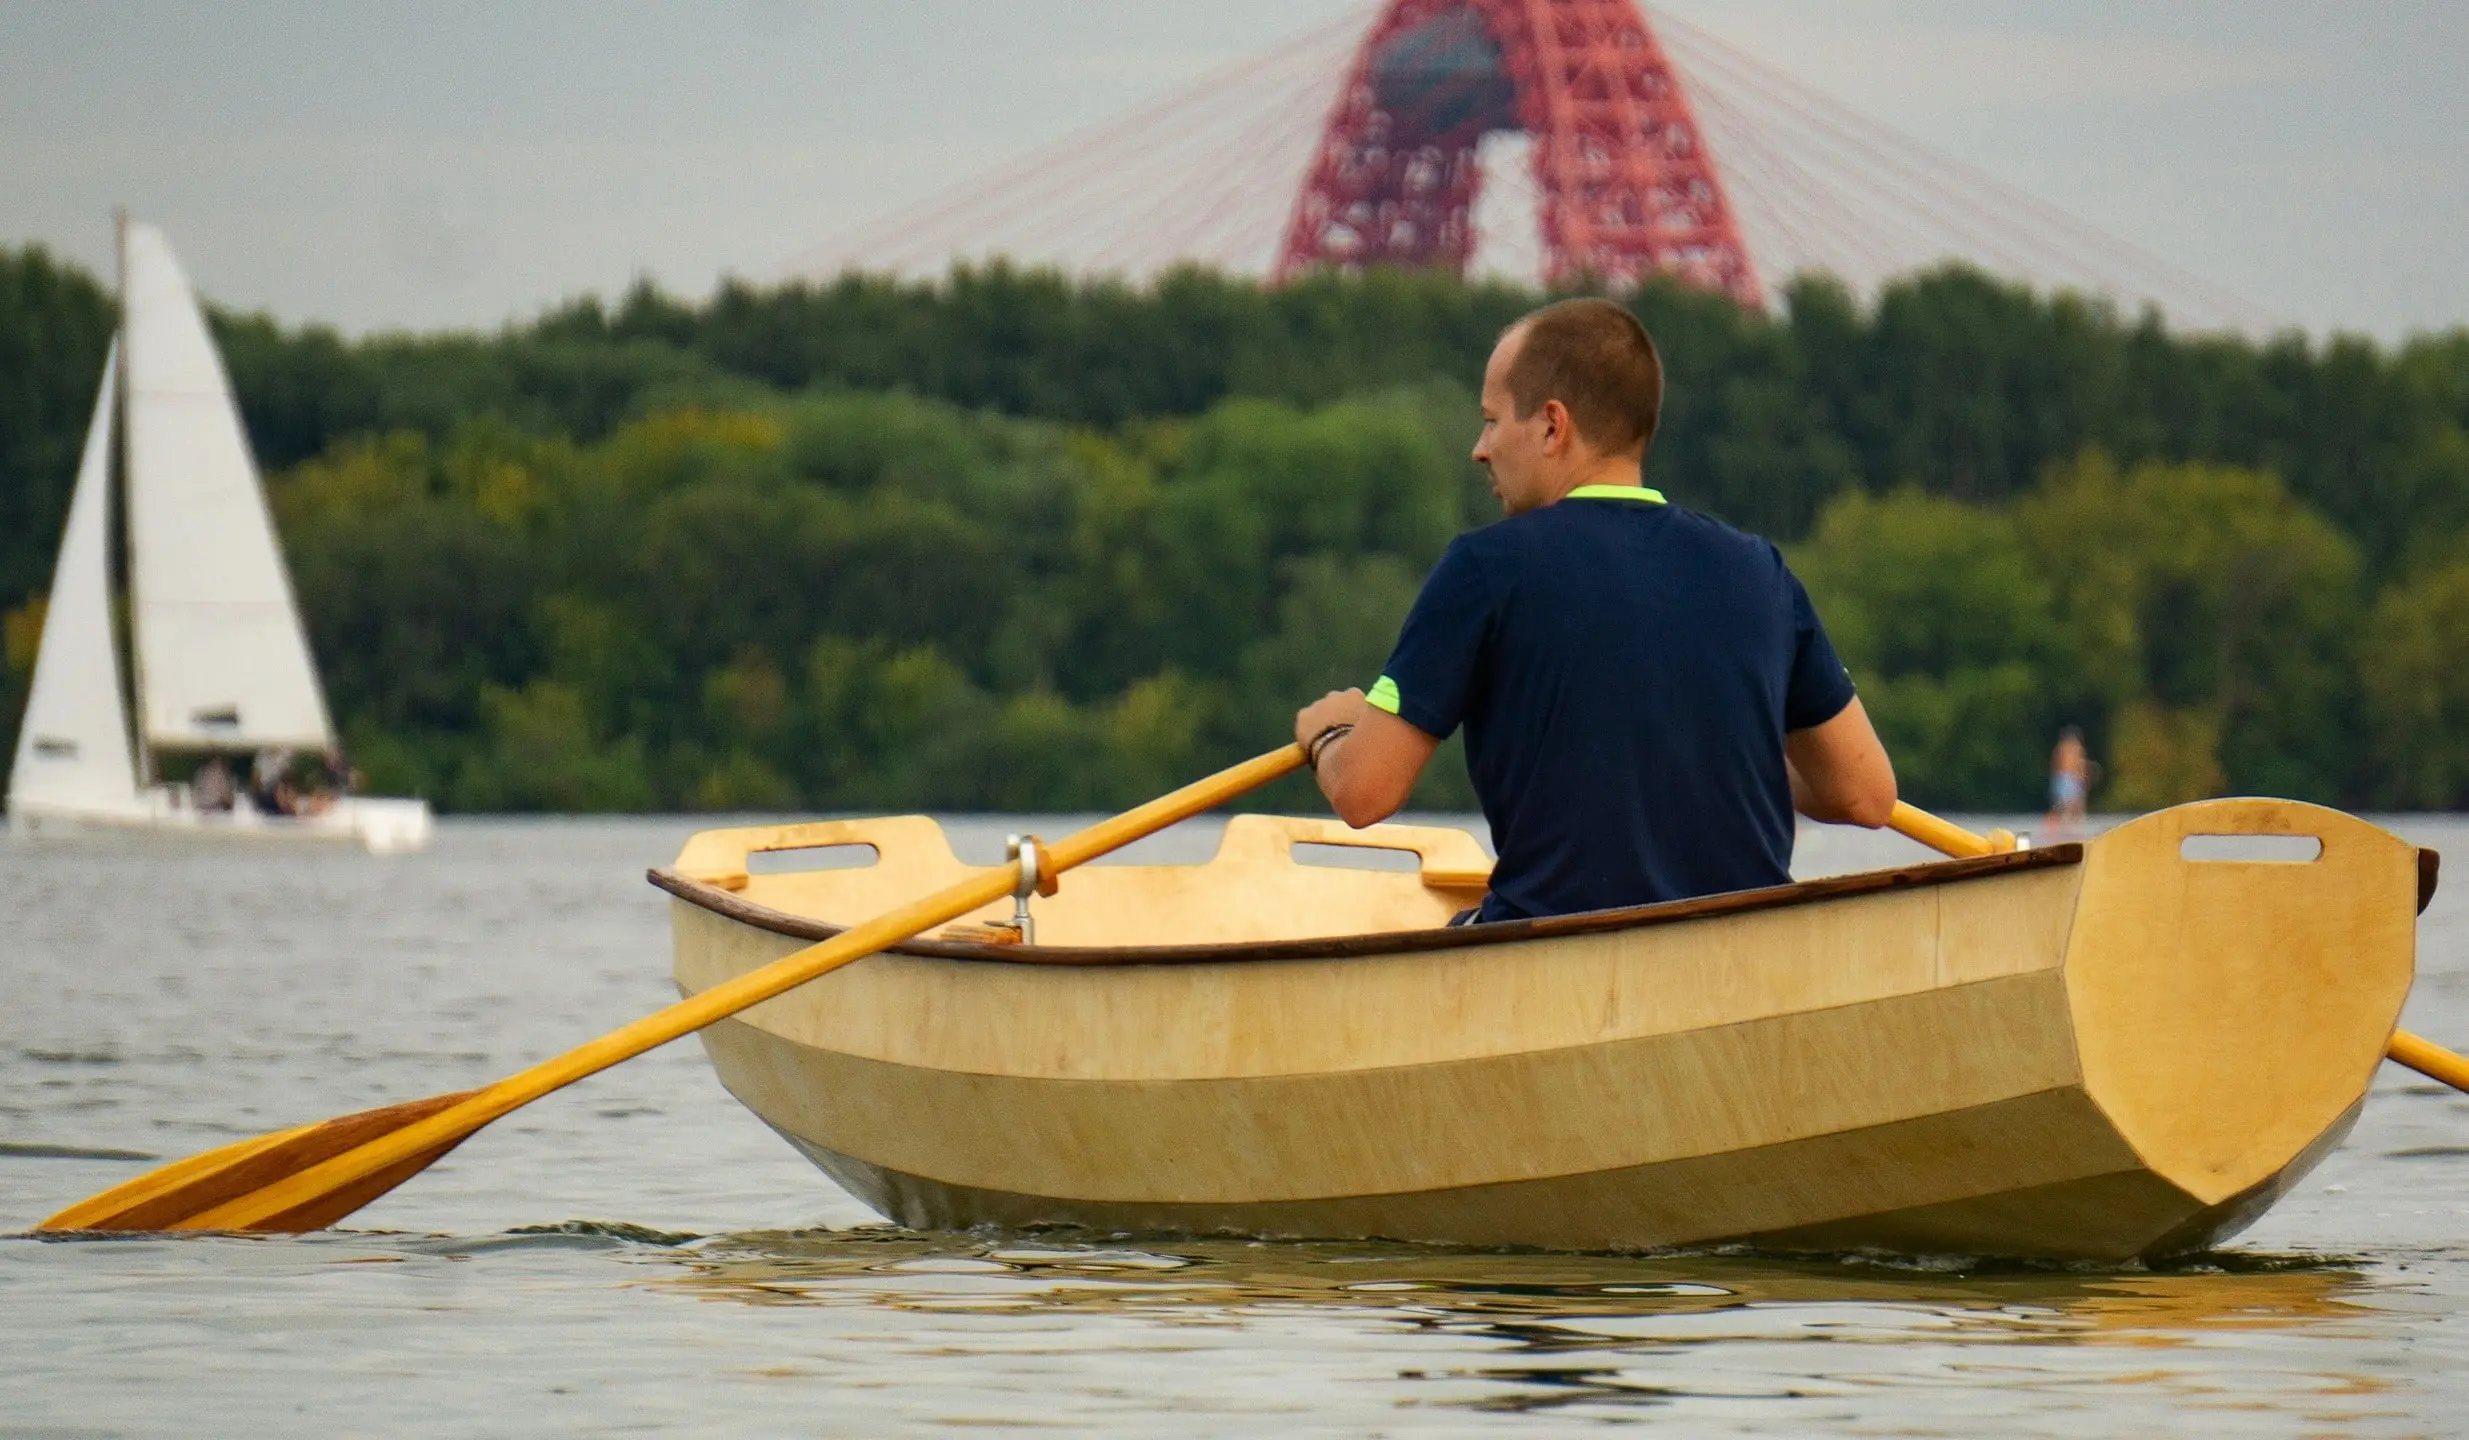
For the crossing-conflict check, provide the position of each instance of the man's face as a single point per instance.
(1513, 450)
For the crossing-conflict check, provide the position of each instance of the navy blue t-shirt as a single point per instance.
(1625, 670)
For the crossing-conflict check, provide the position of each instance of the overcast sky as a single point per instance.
(383, 166)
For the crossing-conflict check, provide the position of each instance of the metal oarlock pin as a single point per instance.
(1036, 878)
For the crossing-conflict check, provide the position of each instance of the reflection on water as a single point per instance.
(1166, 1276)
(1565, 1332)
(166, 998)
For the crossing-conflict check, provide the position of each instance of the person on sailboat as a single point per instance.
(211, 789)
(1647, 693)
(333, 779)
(341, 775)
(270, 788)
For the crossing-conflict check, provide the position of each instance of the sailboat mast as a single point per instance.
(120, 473)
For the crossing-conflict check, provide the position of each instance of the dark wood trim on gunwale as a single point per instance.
(1334, 947)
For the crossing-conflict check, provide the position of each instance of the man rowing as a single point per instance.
(1647, 693)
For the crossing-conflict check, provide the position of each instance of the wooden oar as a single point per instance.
(308, 1178)
(2418, 1053)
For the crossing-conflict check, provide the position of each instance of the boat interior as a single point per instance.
(1291, 884)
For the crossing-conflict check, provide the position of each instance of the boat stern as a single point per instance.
(2235, 972)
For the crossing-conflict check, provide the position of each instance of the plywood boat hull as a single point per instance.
(2103, 1052)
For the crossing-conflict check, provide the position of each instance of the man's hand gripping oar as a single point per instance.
(308, 1178)
(2419, 1054)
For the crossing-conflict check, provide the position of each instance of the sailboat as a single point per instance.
(220, 664)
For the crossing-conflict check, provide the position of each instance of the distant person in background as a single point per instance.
(211, 789)
(2071, 777)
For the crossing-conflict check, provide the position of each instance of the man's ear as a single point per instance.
(1558, 429)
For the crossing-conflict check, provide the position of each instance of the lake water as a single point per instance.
(639, 1254)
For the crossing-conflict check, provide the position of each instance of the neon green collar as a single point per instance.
(1616, 492)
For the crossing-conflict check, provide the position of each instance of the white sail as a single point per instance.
(73, 749)
(222, 660)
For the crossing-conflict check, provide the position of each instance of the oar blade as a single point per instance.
(323, 1210)
(171, 1198)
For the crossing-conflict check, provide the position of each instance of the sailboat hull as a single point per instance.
(380, 826)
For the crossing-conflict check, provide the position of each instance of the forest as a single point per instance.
(1016, 541)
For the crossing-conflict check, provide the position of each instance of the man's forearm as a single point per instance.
(1368, 772)
(1345, 792)
(1839, 771)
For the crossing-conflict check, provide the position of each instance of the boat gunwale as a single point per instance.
(732, 906)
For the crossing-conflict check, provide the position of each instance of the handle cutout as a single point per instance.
(2251, 849)
(796, 860)
(1354, 857)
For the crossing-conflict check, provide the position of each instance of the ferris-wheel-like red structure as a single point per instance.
(1628, 186)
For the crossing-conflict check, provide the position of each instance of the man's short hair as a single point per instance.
(1596, 359)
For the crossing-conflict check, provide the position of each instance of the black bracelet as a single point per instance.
(1322, 741)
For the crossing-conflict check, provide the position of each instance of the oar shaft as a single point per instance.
(1943, 836)
(2415, 1051)
(730, 996)
(2429, 1059)
(1107, 836)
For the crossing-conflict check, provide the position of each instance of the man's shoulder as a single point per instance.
(1502, 542)
(1690, 535)
(1723, 541)
(1681, 528)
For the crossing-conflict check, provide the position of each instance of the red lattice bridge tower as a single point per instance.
(1627, 185)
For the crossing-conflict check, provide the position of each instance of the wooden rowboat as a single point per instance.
(2096, 1051)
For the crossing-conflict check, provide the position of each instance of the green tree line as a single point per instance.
(1011, 540)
